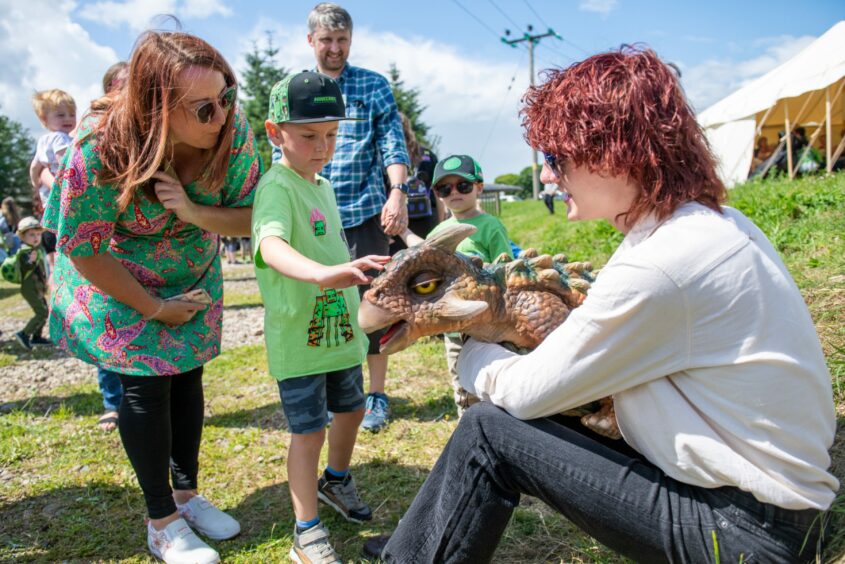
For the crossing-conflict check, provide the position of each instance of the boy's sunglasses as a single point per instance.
(205, 111)
(443, 190)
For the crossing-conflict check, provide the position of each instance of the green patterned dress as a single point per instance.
(166, 255)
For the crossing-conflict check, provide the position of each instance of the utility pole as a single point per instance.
(532, 40)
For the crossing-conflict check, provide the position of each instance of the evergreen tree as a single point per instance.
(407, 99)
(16, 150)
(261, 73)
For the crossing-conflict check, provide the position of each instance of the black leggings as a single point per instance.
(161, 426)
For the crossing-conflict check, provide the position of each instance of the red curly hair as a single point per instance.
(624, 113)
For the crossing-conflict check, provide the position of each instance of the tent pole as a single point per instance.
(788, 136)
(838, 151)
(828, 128)
(764, 118)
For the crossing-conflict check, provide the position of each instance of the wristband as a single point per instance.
(156, 312)
(402, 187)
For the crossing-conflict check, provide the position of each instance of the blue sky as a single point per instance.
(449, 49)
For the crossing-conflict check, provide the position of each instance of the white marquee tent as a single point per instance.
(806, 90)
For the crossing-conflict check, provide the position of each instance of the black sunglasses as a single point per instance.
(443, 190)
(551, 160)
(205, 111)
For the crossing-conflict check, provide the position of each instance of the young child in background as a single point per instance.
(56, 110)
(314, 345)
(458, 182)
(33, 276)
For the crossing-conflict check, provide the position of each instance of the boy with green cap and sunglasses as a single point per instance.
(314, 345)
(458, 182)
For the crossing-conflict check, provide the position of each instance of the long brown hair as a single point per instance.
(132, 133)
(624, 113)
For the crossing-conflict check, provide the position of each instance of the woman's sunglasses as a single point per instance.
(551, 160)
(205, 111)
(443, 190)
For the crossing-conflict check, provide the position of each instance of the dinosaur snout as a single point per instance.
(372, 318)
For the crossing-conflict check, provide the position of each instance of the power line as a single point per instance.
(576, 46)
(532, 40)
(502, 105)
(530, 7)
(476, 18)
(539, 17)
(557, 51)
(507, 17)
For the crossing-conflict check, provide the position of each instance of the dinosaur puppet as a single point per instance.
(430, 289)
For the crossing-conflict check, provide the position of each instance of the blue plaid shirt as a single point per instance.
(364, 148)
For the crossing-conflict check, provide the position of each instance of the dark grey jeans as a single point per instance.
(606, 489)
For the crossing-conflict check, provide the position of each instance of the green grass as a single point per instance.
(67, 491)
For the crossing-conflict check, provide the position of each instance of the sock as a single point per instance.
(302, 526)
(333, 475)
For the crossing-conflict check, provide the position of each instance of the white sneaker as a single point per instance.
(177, 544)
(208, 520)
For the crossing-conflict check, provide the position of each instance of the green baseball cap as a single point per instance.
(306, 97)
(462, 165)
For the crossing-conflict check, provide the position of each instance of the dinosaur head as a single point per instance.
(425, 290)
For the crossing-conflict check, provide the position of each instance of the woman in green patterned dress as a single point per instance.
(158, 173)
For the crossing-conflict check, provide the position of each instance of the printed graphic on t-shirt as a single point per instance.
(330, 322)
(318, 222)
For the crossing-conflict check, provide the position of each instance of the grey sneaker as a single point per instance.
(377, 413)
(312, 546)
(343, 497)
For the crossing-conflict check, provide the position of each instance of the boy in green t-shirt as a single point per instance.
(314, 345)
(458, 181)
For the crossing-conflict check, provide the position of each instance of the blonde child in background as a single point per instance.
(458, 182)
(33, 280)
(314, 345)
(56, 110)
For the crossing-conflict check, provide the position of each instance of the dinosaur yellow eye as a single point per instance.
(424, 283)
(426, 287)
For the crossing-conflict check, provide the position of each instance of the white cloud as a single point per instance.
(41, 48)
(463, 95)
(140, 14)
(204, 8)
(598, 6)
(712, 80)
(136, 14)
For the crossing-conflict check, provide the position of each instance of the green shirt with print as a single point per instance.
(488, 242)
(307, 330)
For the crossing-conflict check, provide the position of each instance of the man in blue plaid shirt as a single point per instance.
(371, 212)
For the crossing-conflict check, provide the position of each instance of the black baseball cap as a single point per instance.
(307, 97)
(462, 165)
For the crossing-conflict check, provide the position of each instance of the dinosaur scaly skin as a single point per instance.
(430, 289)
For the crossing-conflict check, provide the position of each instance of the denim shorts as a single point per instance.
(306, 400)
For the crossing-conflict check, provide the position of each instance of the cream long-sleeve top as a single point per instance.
(699, 333)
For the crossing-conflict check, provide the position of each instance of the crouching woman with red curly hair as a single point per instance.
(694, 327)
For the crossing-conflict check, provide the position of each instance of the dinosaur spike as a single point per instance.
(477, 261)
(560, 257)
(516, 264)
(449, 238)
(543, 261)
(578, 267)
(502, 258)
(579, 284)
(528, 254)
(549, 275)
(456, 309)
